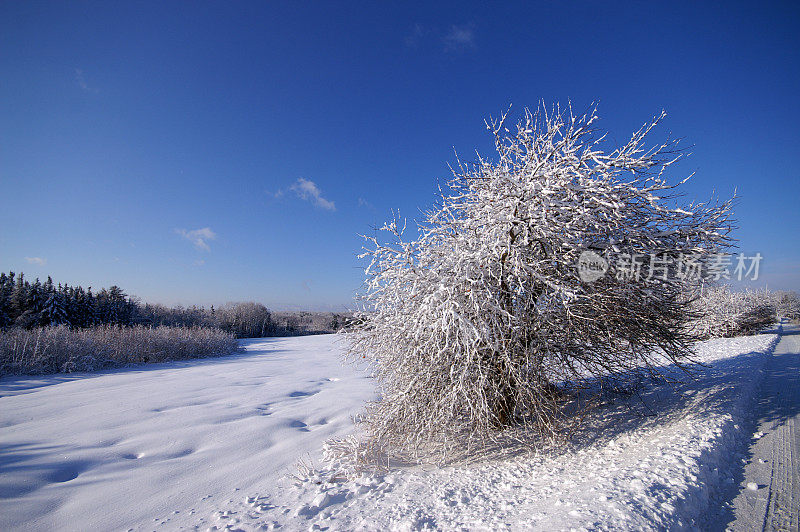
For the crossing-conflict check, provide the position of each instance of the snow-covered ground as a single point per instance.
(165, 445)
(771, 498)
(213, 443)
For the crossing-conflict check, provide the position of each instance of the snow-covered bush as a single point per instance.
(724, 313)
(61, 349)
(788, 305)
(482, 322)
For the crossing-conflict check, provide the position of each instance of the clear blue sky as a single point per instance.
(196, 152)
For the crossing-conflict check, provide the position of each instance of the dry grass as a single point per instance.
(61, 349)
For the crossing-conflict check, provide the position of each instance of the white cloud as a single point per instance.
(80, 79)
(198, 237)
(308, 190)
(39, 261)
(459, 38)
(364, 203)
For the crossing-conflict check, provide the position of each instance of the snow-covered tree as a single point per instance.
(788, 305)
(6, 288)
(483, 321)
(31, 307)
(722, 312)
(54, 311)
(245, 320)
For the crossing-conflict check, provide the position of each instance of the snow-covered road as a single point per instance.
(770, 499)
(165, 445)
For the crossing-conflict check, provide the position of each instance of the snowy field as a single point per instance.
(163, 446)
(213, 443)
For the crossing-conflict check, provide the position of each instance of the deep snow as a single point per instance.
(166, 445)
(668, 459)
(213, 443)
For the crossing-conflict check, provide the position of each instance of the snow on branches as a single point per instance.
(724, 313)
(482, 322)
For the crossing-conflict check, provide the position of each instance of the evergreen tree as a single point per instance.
(5, 300)
(89, 309)
(54, 312)
(23, 304)
(34, 314)
(19, 297)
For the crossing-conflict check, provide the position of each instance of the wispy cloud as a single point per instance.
(414, 37)
(80, 79)
(309, 191)
(198, 237)
(39, 261)
(459, 38)
(364, 203)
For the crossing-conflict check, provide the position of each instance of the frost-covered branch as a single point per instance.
(482, 322)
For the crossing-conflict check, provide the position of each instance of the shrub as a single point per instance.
(246, 320)
(299, 322)
(61, 349)
(482, 322)
(788, 305)
(724, 313)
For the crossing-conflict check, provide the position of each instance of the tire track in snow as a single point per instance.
(770, 499)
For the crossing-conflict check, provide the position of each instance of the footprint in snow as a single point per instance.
(184, 452)
(299, 393)
(265, 409)
(297, 424)
(67, 472)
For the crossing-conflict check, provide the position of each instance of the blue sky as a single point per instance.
(199, 153)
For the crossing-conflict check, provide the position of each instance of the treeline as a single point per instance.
(26, 305)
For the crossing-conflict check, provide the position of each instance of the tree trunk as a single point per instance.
(505, 404)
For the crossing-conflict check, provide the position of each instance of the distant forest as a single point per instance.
(40, 304)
